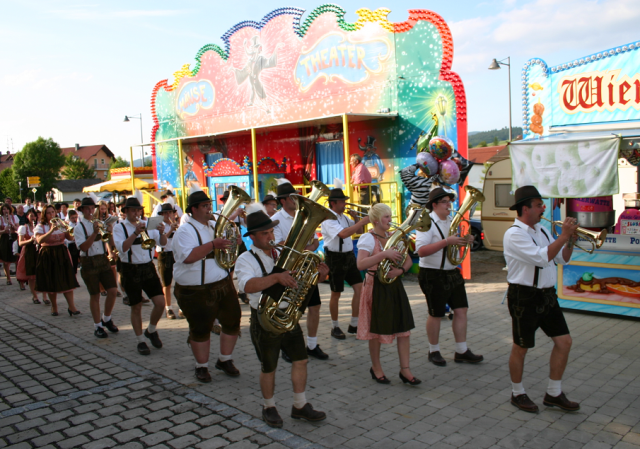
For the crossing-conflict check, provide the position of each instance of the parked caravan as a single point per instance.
(496, 216)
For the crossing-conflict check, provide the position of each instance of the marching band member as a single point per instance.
(385, 312)
(531, 254)
(71, 244)
(165, 256)
(8, 228)
(204, 290)
(54, 269)
(441, 282)
(341, 259)
(254, 269)
(26, 269)
(270, 203)
(138, 273)
(285, 219)
(96, 268)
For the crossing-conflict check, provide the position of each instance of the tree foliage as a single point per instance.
(9, 186)
(119, 162)
(77, 168)
(43, 158)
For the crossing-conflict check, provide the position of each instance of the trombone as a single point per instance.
(596, 239)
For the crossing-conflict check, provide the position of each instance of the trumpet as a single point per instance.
(147, 242)
(354, 206)
(102, 228)
(596, 239)
(62, 226)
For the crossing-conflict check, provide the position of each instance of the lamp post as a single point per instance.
(139, 117)
(495, 65)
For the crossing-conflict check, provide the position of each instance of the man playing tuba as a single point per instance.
(255, 274)
(440, 281)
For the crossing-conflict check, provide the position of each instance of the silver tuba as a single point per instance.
(303, 264)
(453, 251)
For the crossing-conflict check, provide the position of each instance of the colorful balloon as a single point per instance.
(441, 148)
(427, 163)
(449, 172)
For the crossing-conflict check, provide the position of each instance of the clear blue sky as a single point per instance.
(72, 70)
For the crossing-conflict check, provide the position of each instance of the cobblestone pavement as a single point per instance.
(61, 387)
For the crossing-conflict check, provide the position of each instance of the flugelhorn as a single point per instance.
(453, 251)
(61, 225)
(102, 227)
(147, 242)
(596, 239)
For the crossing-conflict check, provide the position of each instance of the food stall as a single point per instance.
(581, 123)
(295, 94)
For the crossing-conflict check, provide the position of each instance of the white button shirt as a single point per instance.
(169, 246)
(184, 241)
(247, 268)
(97, 247)
(330, 230)
(526, 248)
(140, 255)
(281, 231)
(432, 236)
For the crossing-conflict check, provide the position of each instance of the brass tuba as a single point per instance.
(417, 218)
(596, 239)
(227, 229)
(303, 264)
(319, 190)
(453, 251)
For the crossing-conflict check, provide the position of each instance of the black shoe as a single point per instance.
(560, 402)
(103, 293)
(271, 417)
(352, 329)
(216, 329)
(337, 333)
(523, 402)
(111, 326)
(380, 380)
(468, 357)
(125, 301)
(143, 349)
(202, 374)
(245, 299)
(77, 312)
(171, 314)
(154, 337)
(100, 333)
(285, 357)
(228, 367)
(317, 353)
(307, 413)
(436, 359)
(414, 381)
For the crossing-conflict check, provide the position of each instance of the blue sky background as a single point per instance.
(72, 70)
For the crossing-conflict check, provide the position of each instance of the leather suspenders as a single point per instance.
(536, 273)
(444, 253)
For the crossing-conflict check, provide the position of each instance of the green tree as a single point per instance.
(76, 168)
(119, 162)
(495, 141)
(482, 144)
(43, 158)
(9, 186)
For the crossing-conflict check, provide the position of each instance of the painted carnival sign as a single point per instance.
(193, 97)
(600, 88)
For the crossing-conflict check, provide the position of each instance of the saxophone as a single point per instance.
(453, 251)
(303, 264)
(417, 218)
(226, 229)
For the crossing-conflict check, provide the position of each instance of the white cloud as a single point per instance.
(84, 13)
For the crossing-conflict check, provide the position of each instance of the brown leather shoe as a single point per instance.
(307, 413)
(202, 374)
(436, 359)
(523, 402)
(228, 368)
(271, 417)
(468, 357)
(560, 402)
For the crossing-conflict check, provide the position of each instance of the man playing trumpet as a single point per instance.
(531, 254)
(440, 281)
(165, 255)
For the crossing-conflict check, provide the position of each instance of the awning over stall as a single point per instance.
(119, 185)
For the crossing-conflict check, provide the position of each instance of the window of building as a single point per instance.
(102, 161)
(504, 198)
(95, 163)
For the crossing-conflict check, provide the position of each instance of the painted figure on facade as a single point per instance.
(252, 69)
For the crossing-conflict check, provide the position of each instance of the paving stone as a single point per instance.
(182, 442)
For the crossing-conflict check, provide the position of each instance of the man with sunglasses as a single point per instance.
(440, 281)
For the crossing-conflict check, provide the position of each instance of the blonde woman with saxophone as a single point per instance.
(385, 313)
(440, 281)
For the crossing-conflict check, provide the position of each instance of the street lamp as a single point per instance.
(139, 117)
(495, 65)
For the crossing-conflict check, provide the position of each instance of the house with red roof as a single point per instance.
(98, 157)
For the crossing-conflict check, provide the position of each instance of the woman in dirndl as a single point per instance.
(26, 270)
(385, 312)
(8, 228)
(54, 269)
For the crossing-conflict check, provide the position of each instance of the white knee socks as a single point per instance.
(554, 388)
(299, 400)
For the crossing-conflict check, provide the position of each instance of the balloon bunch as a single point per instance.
(434, 159)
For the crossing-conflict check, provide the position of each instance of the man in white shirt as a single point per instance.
(138, 273)
(256, 274)
(204, 290)
(96, 269)
(441, 282)
(284, 217)
(165, 256)
(338, 249)
(167, 198)
(27, 205)
(532, 253)
(64, 211)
